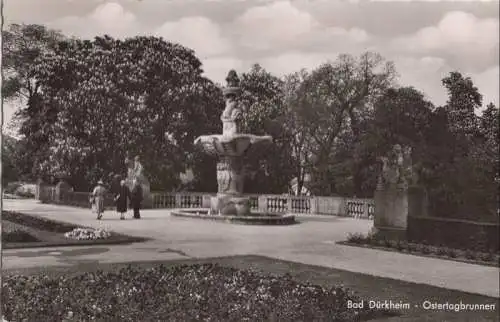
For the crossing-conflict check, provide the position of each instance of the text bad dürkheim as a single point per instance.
(426, 305)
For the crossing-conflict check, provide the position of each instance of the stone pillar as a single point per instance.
(206, 201)
(262, 204)
(39, 188)
(62, 187)
(147, 201)
(393, 206)
(314, 205)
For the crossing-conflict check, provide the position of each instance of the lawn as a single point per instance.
(20, 230)
(251, 288)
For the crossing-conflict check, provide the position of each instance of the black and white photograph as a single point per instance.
(250, 160)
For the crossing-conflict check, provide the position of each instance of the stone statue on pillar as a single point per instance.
(398, 194)
(135, 171)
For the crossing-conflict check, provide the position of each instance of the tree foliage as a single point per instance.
(23, 45)
(141, 95)
(263, 98)
(336, 97)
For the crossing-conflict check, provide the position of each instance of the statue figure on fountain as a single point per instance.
(397, 168)
(232, 115)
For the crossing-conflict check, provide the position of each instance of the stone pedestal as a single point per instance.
(393, 206)
(230, 180)
(230, 205)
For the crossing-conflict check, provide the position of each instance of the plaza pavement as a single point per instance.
(311, 242)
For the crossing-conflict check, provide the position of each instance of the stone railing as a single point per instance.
(348, 207)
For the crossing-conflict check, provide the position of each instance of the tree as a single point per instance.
(141, 95)
(296, 130)
(463, 99)
(10, 172)
(262, 95)
(23, 45)
(464, 167)
(334, 99)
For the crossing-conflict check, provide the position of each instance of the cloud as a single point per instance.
(462, 37)
(424, 74)
(217, 68)
(488, 84)
(281, 26)
(294, 61)
(107, 18)
(265, 26)
(198, 33)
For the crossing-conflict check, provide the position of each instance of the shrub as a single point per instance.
(425, 249)
(441, 251)
(12, 187)
(381, 242)
(25, 194)
(356, 238)
(469, 254)
(451, 252)
(487, 257)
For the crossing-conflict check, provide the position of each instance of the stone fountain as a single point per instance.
(230, 148)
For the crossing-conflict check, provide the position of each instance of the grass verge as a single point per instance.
(25, 231)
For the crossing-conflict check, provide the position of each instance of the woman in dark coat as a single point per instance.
(122, 199)
(136, 198)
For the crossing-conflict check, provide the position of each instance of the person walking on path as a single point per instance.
(121, 199)
(136, 198)
(97, 199)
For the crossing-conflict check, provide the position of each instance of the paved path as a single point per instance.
(312, 242)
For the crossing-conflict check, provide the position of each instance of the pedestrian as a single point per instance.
(97, 199)
(136, 198)
(121, 199)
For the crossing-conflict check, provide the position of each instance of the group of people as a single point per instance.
(123, 197)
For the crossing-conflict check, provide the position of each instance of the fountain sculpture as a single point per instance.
(230, 148)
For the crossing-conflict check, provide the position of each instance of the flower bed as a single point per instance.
(199, 292)
(87, 234)
(464, 255)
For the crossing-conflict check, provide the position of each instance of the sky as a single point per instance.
(425, 39)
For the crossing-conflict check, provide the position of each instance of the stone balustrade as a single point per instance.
(340, 206)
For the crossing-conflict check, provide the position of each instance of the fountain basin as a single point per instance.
(253, 218)
(233, 145)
